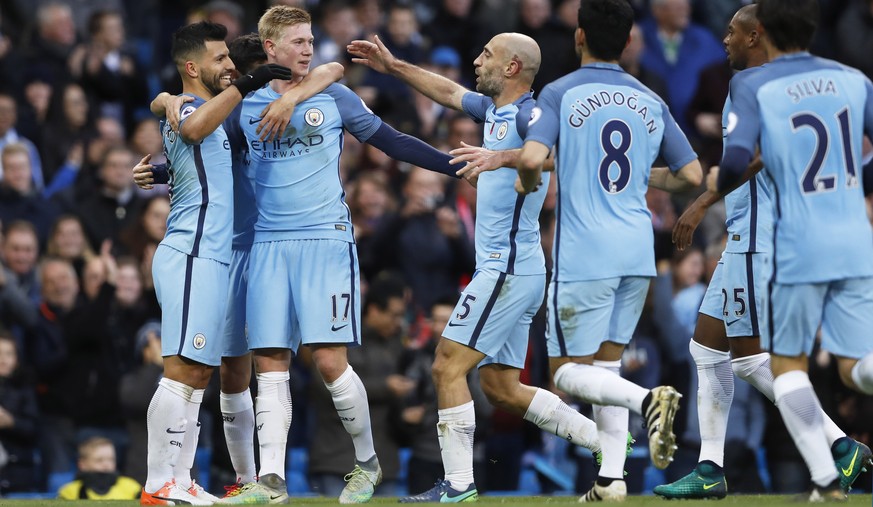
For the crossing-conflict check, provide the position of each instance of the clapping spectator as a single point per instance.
(107, 70)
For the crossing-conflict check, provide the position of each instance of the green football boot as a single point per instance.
(705, 481)
(852, 459)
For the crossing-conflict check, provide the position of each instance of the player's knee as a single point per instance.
(445, 371)
(844, 367)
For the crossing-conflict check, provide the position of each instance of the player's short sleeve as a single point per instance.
(523, 117)
(743, 120)
(187, 110)
(675, 148)
(544, 124)
(476, 105)
(356, 116)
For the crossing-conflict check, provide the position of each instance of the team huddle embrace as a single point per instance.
(259, 226)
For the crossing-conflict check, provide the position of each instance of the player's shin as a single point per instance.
(547, 411)
(715, 393)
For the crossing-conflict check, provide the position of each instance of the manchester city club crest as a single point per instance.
(199, 341)
(313, 117)
(501, 131)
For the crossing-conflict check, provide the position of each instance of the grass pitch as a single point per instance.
(505, 501)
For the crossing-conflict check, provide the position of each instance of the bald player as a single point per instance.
(489, 325)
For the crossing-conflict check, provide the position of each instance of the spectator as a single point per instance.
(18, 422)
(20, 255)
(338, 26)
(33, 110)
(67, 241)
(554, 38)
(425, 219)
(630, 62)
(55, 38)
(227, 13)
(107, 70)
(383, 332)
(402, 38)
(9, 135)
(456, 26)
(115, 204)
(141, 237)
(136, 390)
(370, 202)
(677, 51)
(131, 308)
(19, 200)
(97, 477)
(68, 128)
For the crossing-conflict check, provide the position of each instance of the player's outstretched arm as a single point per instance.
(209, 116)
(686, 178)
(438, 88)
(276, 116)
(478, 160)
(400, 146)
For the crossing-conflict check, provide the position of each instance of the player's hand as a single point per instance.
(260, 76)
(372, 54)
(142, 174)
(173, 108)
(519, 187)
(683, 231)
(712, 179)
(275, 118)
(477, 159)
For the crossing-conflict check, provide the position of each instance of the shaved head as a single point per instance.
(746, 17)
(524, 49)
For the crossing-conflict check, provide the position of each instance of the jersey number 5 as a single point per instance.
(811, 182)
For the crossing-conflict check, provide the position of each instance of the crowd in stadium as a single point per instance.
(80, 339)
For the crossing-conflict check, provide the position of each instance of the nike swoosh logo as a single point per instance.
(252, 121)
(848, 472)
(262, 412)
(174, 432)
(344, 409)
(726, 323)
(445, 498)
(452, 324)
(275, 497)
(710, 486)
(334, 328)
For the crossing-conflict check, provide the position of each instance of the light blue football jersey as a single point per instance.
(245, 213)
(201, 192)
(608, 129)
(808, 115)
(507, 224)
(298, 189)
(749, 209)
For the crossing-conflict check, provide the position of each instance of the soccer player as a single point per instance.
(489, 325)
(608, 129)
(235, 398)
(809, 115)
(303, 278)
(191, 263)
(733, 313)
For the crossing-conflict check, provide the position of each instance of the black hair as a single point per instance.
(247, 52)
(790, 24)
(383, 288)
(607, 25)
(190, 40)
